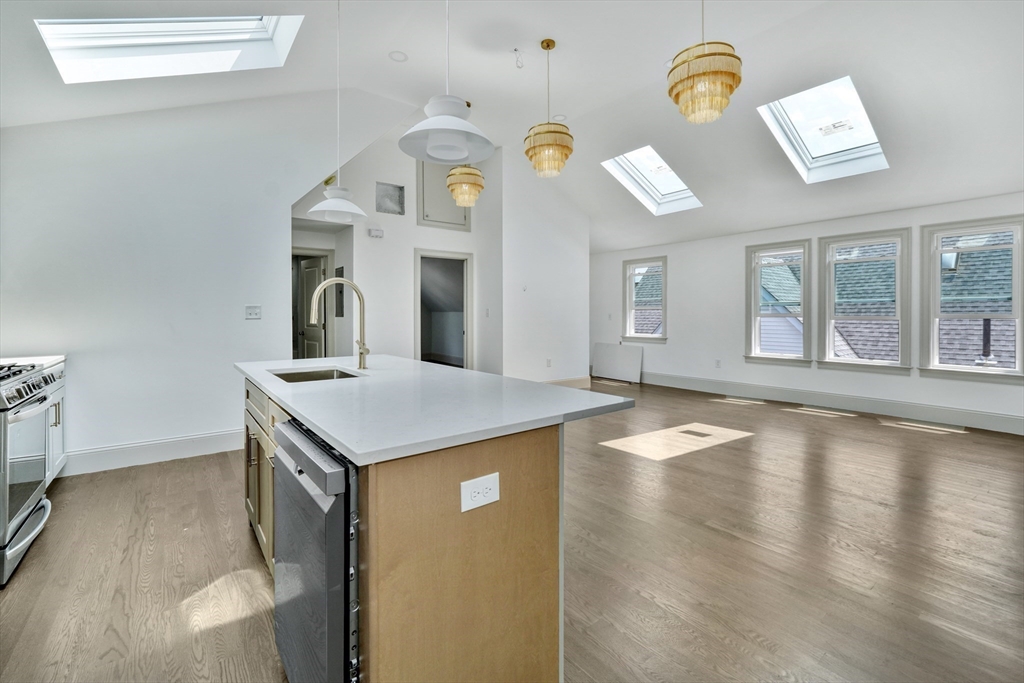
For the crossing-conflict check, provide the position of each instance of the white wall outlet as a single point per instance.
(718, 363)
(253, 312)
(480, 491)
(375, 232)
(549, 362)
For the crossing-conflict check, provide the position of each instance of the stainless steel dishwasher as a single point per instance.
(316, 564)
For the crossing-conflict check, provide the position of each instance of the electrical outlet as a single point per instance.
(487, 313)
(718, 363)
(480, 491)
(253, 312)
(549, 362)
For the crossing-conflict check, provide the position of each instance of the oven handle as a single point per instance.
(14, 550)
(26, 414)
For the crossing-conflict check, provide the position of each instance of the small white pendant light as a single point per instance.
(446, 137)
(338, 207)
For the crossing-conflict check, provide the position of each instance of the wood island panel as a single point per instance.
(462, 596)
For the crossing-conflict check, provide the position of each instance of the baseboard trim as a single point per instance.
(148, 452)
(997, 422)
(572, 382)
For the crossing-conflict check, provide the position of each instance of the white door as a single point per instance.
(311, 337)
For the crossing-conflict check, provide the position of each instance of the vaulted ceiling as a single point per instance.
(943, 83)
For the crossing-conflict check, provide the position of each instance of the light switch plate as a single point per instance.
(480, 491)
(253, 312)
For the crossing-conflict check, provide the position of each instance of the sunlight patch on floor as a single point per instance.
(675, 441)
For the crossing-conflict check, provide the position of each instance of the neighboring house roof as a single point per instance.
(648, 292)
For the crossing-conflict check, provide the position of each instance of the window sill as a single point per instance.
(655, 340)
(865, 367)
(974, 375)
(778, 360)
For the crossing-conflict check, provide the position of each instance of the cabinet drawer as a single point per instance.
(258, 404)
(277, 414)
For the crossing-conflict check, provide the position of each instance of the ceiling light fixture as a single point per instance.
(446, 137)
(548, 145)
(558, 117)
(338, 207)
(703, 77)
(398, 56)
(465, 183)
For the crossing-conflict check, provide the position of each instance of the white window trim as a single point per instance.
(93, 50)
(658, 204)
(864, 159)
(826, 284)
(931, 237)
(753, 254)
(627, 299)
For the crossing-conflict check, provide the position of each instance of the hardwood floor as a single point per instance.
(146, 573)
(820, 548)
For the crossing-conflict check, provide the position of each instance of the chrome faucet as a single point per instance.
(318, 292)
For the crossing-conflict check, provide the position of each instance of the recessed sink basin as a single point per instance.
(311, 375)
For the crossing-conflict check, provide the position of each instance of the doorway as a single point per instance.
(308, 271)
(443, 308)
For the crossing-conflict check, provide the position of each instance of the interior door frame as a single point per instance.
(328, 295)
(467, 300)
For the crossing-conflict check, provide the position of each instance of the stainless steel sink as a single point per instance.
(311, 375)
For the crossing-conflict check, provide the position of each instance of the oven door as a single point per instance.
(24, 463)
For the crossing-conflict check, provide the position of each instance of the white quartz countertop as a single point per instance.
(399, 407)
(42, 361)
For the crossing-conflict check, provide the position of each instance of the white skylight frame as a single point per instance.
(864, 158)
(93, 50)
(634, 180)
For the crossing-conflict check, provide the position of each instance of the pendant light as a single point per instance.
(338, 207)
(548, 145)
(703, 77)
(446, 137)
(465, 183)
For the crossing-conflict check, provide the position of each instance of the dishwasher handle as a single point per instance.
(287, 467)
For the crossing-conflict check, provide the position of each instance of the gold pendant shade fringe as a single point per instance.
(465, 183)
(548, 146)
(702, 79)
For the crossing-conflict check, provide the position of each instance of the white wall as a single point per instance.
(706, 316)
(383, 268)
(546, 260)
(132, 243)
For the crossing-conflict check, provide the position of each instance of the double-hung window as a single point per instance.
(644, 299)
(865, 297)
(777, 298)
(972, 285)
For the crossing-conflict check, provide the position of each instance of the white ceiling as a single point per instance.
(941, 81)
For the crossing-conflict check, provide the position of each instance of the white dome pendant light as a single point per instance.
(338, 207)
(446, 137)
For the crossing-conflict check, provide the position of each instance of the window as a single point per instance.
(776, 301)
(644, 299)
(825, 132)
(648, 178)
(972, 317)
(865, 297)
(90, 50)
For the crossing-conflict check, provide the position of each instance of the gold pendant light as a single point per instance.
(548, 145)
(465, 183)
(703, 77)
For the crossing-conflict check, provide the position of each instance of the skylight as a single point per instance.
(646, 175)
(90, 50)
(825, 132)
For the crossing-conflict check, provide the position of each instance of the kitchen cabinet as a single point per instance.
(435, 206)
(56, 453)
(261, 414)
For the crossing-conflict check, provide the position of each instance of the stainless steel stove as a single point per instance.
(28, 416)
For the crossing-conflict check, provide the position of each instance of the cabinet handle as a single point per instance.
(55, 422)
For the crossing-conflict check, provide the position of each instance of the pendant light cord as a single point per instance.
(702, 23)
(548, 52)
(447, 49)
(337, 173)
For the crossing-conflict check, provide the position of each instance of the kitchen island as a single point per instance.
(445, 594)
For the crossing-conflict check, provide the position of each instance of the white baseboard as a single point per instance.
(572, 382)
(148, 452)
(997, 422)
